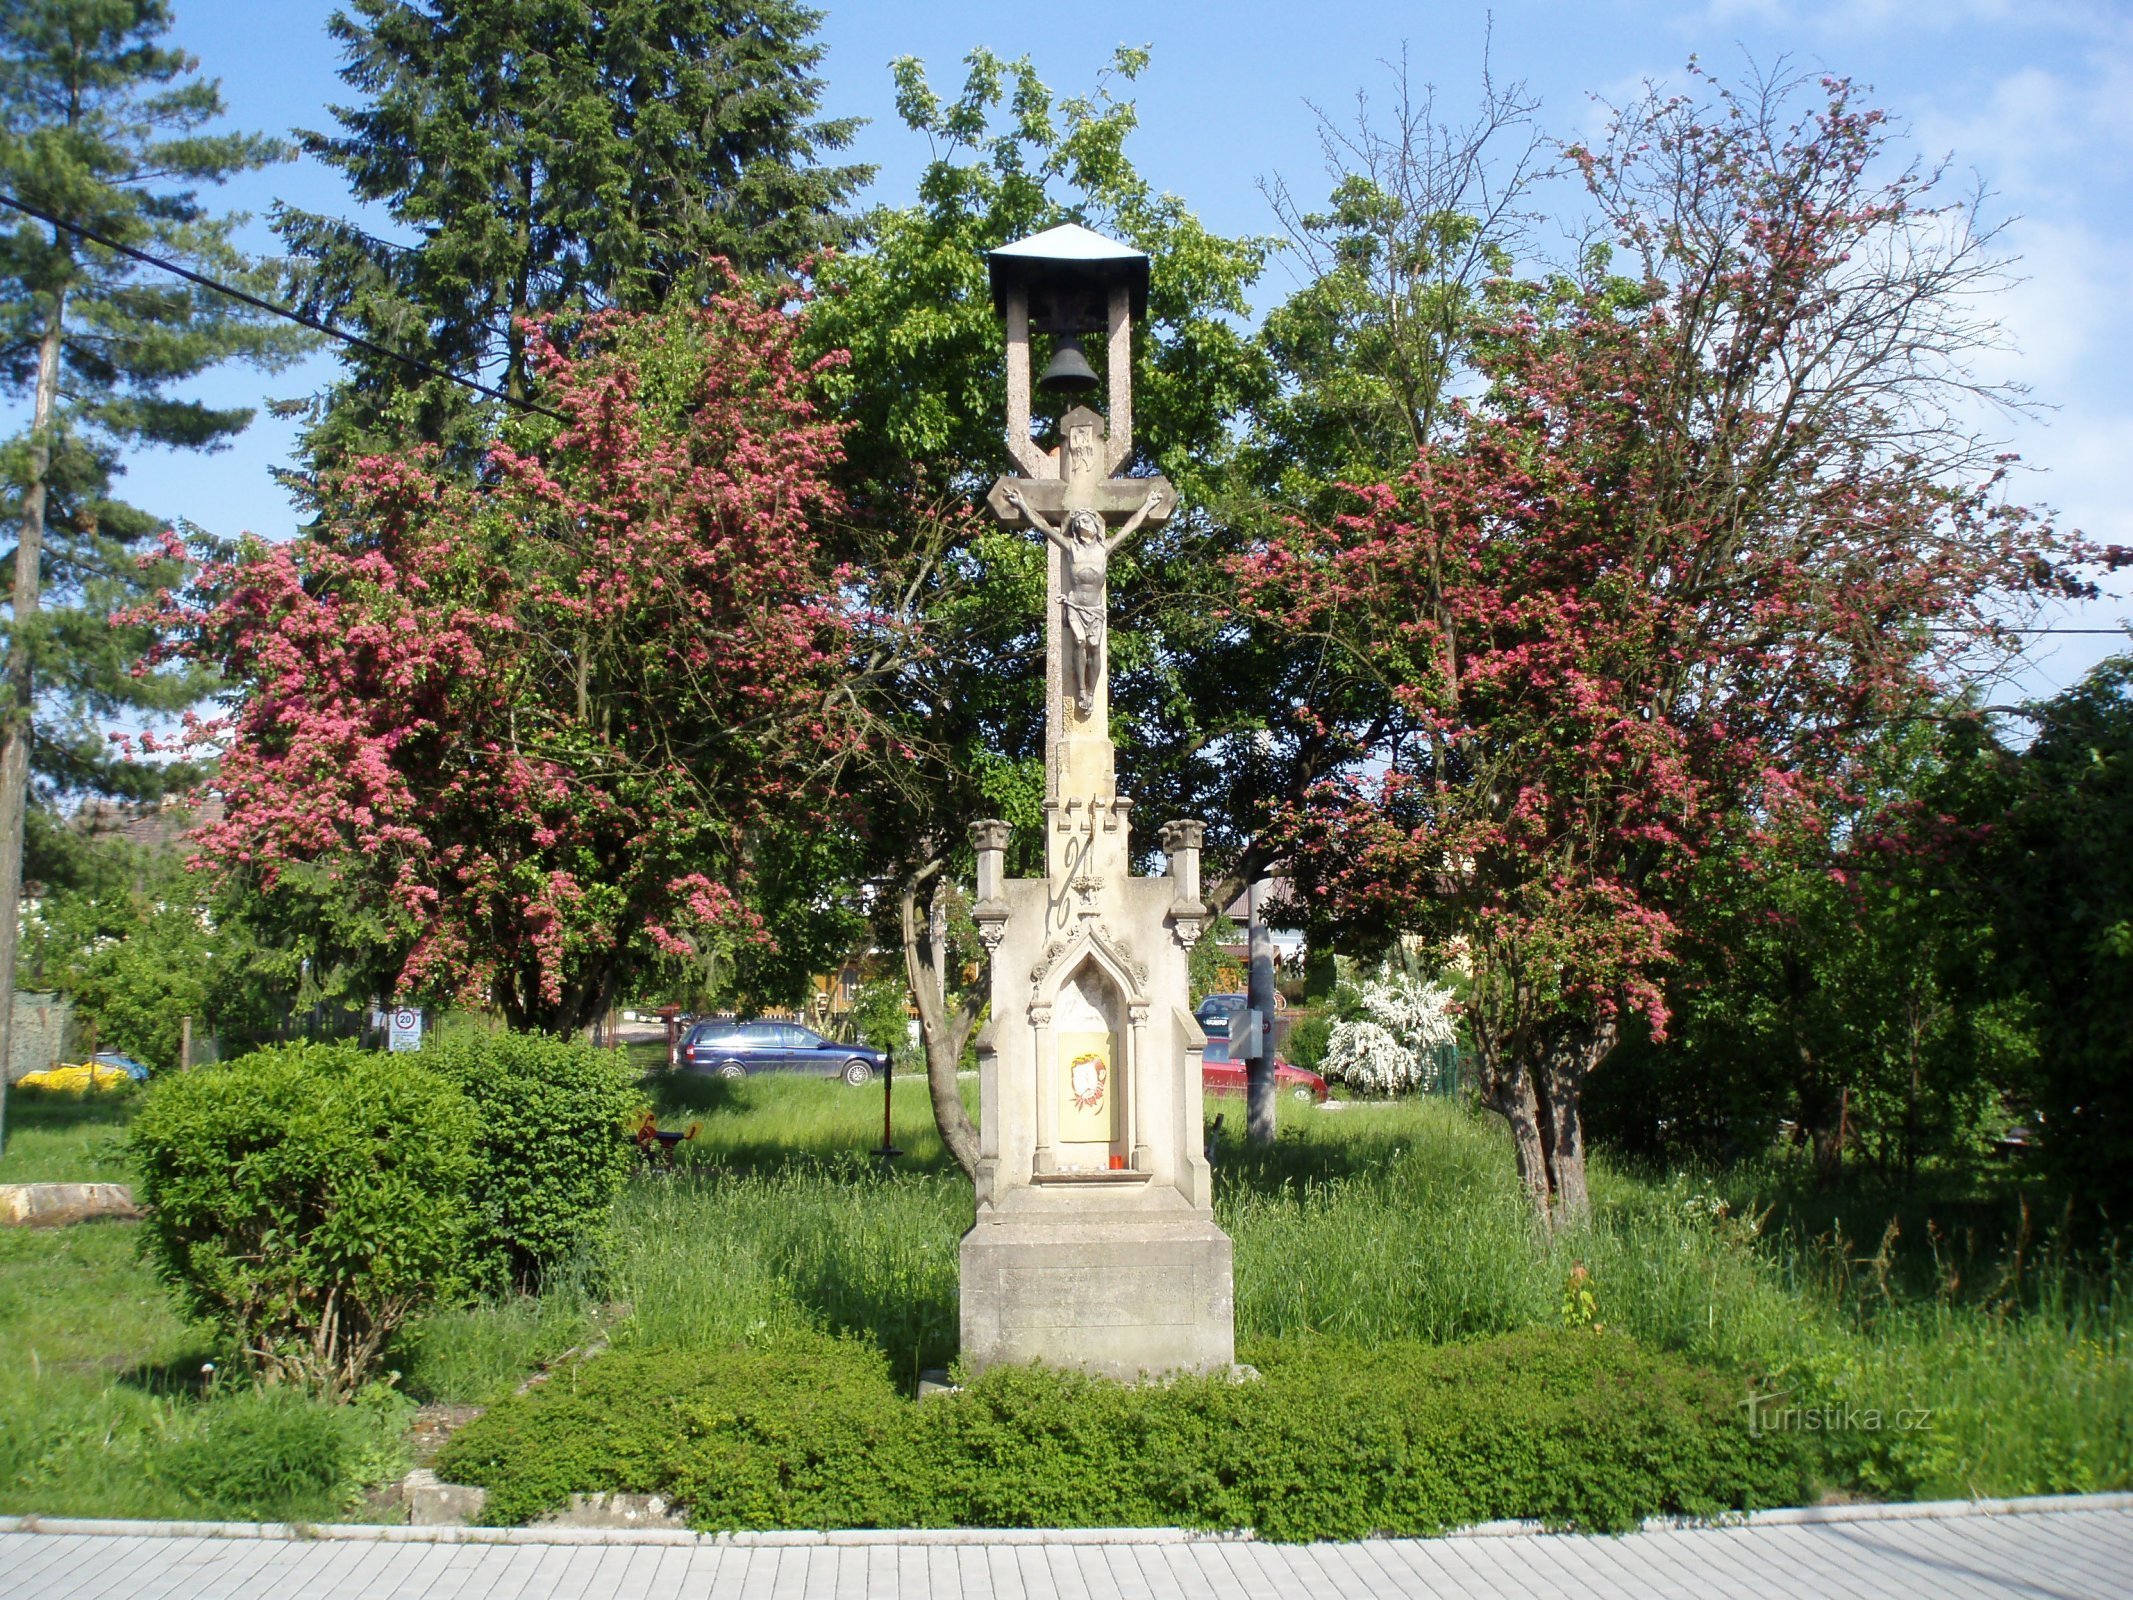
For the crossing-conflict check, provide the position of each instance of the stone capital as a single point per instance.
(1186, 833)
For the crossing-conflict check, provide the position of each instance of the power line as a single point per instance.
(288, 313)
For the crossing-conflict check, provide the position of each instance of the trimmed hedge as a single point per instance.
(311, 1199)
(307, 1199)
(553, 1152)
(1335, 1441)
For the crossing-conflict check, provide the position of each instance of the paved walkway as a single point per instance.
(2066, 1549)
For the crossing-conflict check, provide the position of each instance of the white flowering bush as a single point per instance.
(1391, 1048)
(1368, 1057)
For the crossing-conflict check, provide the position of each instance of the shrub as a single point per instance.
(1336, 1441)
(1387, 1041)
(1306, 1043)
(552, 1150)
(750, 1437)
(881, 1015)
(307, 1199)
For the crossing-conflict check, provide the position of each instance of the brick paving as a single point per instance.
(2063, 1549)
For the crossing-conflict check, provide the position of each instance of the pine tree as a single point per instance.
(546, 154)
(102, 128)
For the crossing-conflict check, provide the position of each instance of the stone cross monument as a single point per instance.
(1095, 1244)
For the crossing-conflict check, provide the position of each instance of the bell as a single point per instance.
(1068, 372)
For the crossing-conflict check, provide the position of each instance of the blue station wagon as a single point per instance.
(741, 1049)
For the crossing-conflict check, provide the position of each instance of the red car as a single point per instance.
(1220, 1073)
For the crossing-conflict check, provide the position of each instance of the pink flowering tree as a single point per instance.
(509, 740)
(1703, 526)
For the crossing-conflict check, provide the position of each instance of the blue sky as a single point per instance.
(2034, 98)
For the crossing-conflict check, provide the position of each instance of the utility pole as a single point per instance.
(1259, 1021)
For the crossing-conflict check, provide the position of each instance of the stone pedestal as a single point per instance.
(1122, 1284)
(1095, 1244)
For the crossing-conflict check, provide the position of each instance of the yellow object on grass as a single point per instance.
(89, 1075)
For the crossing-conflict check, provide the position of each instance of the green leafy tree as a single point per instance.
(133, 965)
(548, 154)
(1844, 979)
(1421, 217)
(140, 942)
(2058, 867)
(102, 128)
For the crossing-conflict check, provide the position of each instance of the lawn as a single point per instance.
(66, 1138)
(1956, 1357)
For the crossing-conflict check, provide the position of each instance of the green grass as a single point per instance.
(110, 1407)
(1373, 1227)
(57, 1137)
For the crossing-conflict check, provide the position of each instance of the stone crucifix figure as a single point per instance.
(1084, 602)
(1085, 515)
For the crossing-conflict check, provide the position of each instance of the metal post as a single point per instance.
(888, 1151)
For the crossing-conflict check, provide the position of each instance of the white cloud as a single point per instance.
(2040, 134)
(2070, 316)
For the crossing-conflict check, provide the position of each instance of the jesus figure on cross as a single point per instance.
(1088, 562)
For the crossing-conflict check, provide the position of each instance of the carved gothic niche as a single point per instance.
(1091, 942)
(1085, 997)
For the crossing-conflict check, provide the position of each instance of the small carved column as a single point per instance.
(989, 839)
(1047, 1157)
(1181, 843)
(1143, 1157)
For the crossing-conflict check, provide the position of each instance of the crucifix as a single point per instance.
(1085, 544)
(1068, 283)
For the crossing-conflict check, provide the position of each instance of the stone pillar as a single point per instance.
(1181, 844)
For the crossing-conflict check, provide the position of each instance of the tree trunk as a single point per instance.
(926, 970)
(21, 683)
(937, 940)
(1568, 1062)
(1521, 1108)
(1539, 1090)
(1829, 1138)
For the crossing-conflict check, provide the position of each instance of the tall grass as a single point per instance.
(1382, 1223)
(1370, 1224)
(1407, 1221)
(111, 1406)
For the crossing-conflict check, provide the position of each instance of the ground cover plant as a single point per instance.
(1334, 1441)
(1373, 1243)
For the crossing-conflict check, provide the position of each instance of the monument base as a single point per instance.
(1123, 1285)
